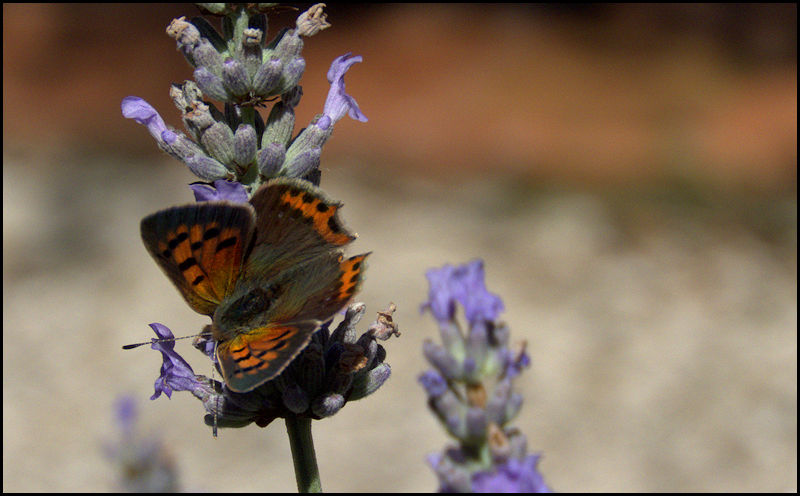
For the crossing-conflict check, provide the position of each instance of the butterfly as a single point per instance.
(269, 272)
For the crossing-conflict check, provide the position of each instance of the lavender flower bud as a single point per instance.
(295, 399)
(314, 136)
(327, 405)
(270, 159)
(207, 168)
(433, 382)
(289, 46)
(218, 140)
(450, 411)
(245, 145)
(210, 84)
(182, 148)
(478, 344)
(455, 425)
(302, 164)
(280, 124)
(206, 56)
(267, 76)
(368, 383)
(346, 331)
(234, 76)
(291, 74)
(452, 339)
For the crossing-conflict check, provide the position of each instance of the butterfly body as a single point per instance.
(268, 273)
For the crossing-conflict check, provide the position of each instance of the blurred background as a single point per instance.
(628, 173)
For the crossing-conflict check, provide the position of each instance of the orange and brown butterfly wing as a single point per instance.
(201, 248)
(296, 222)
(331, 285)
(251, 359)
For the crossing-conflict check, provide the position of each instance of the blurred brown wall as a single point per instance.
(587, 93)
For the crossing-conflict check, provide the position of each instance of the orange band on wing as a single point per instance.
(321, 213)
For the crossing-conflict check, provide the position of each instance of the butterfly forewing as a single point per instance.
(201, 248)
(295, 223)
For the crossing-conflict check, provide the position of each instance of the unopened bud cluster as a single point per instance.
(244, 71)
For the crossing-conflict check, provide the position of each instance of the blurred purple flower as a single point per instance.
(142, 463)
(514, 476)
(479, 362)
(463, 284)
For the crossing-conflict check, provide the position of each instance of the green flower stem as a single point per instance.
(305, 460)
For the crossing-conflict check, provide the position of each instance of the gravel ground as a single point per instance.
(664, 345)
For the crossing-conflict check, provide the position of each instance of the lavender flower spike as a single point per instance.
(470, 388)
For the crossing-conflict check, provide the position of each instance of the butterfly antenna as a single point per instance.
(155, 340)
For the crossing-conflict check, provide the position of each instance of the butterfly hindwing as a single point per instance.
(201, 248)
(277, 320)
(334, 285)
(253, 358)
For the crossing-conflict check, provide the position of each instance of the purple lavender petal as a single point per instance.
(339, 102)
(176, 373)
(222, 190)
(136, 108)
